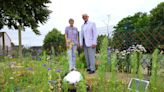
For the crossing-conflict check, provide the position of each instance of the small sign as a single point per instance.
(138, 85)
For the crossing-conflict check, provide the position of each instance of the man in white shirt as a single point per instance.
(89, 41)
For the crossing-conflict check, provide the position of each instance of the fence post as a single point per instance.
(109, 52)
(3, 43)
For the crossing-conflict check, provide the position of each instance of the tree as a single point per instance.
(156, 26)
(129, 31)
(19, 14)
(157, 17)
(54, 40)
(141, 28)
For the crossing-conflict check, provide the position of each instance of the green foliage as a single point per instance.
(129, 31)
(157, 18)
(54, 39)
(133, 23)
(140, 28)
(156, 26)
(80, 61)
(27, 13)
(103, 49)
(99, 42)
(134, 59)
(81, 86)
(154, 68)
(19, 14)
(65, 86)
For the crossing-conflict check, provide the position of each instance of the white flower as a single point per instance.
(128, 52)
(123, 54)
(137, 48)
(122, 57)
(124, 51)
(48, 57)
(117, 51)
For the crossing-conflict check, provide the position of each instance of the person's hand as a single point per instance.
(78, 45)
(67, 46)
(93, 46)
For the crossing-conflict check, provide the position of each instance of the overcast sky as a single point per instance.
(97, 10)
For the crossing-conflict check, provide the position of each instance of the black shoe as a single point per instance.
(88, 70)
(91, 72)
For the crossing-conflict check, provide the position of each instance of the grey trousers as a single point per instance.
(90, 57)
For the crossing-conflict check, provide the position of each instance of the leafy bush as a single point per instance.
(54, 40)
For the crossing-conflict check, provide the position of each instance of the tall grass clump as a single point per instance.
(113, 77)
(154, 70)
(101, 65)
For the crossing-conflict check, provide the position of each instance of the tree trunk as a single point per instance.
(20, 41)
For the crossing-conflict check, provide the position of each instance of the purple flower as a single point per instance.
(44, 65)
(49, 69)
(49, 81)
(29, 69)
(58, 70)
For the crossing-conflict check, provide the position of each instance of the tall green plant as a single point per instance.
(154, 70)
(113, 79)
(103, 51)
(102, 67)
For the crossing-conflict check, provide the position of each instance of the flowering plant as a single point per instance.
(123, 56)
